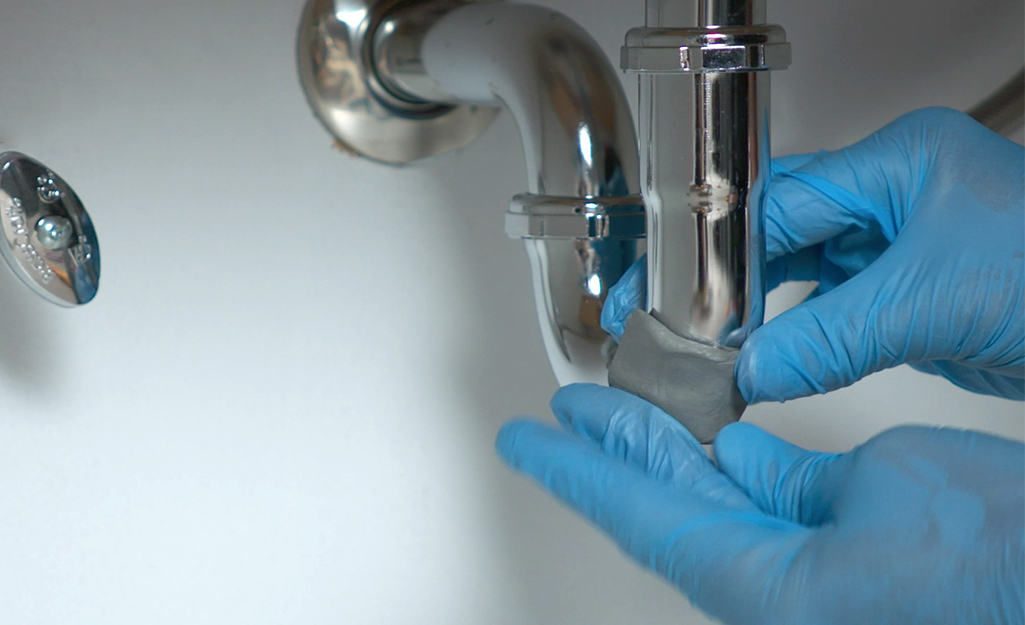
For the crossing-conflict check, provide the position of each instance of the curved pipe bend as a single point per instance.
(578, 140)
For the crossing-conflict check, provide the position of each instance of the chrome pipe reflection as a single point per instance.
(582, 220)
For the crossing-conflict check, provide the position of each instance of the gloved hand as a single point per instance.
(918, 525)
(916, 236)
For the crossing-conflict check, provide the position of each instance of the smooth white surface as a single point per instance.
(281, 406)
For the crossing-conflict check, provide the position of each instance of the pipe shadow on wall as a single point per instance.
(29, 339)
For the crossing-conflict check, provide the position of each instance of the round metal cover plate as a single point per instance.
(336, 72)
(49, 240)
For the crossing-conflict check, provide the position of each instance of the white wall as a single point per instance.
(281, 406)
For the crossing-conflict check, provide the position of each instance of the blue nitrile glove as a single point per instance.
(918, 525)
(916, 236)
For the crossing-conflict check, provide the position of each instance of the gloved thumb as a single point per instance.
(782, 479)
(862, 326)
(628, 295)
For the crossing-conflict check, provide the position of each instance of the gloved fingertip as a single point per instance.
(626, 296)
(736, 435)
(572, 394)
(769, 367)
(589, 410)
(569, 398)
(512, 436)
(611, 321)
(745, 371)
(739, 443)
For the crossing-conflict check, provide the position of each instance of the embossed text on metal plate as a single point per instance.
(48, 238)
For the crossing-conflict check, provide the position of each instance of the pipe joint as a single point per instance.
(544, 217)
(699, 50)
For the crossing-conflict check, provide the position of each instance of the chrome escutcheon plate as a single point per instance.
(336, 71)
(49, 240)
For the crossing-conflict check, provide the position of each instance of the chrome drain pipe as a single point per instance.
(704, 68)
(704, 129)
(398, 81)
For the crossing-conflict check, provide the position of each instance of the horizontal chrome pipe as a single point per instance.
(581, 219)
(574, 120)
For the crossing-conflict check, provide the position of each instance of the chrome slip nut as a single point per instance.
(699, 50)
(546, 217)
